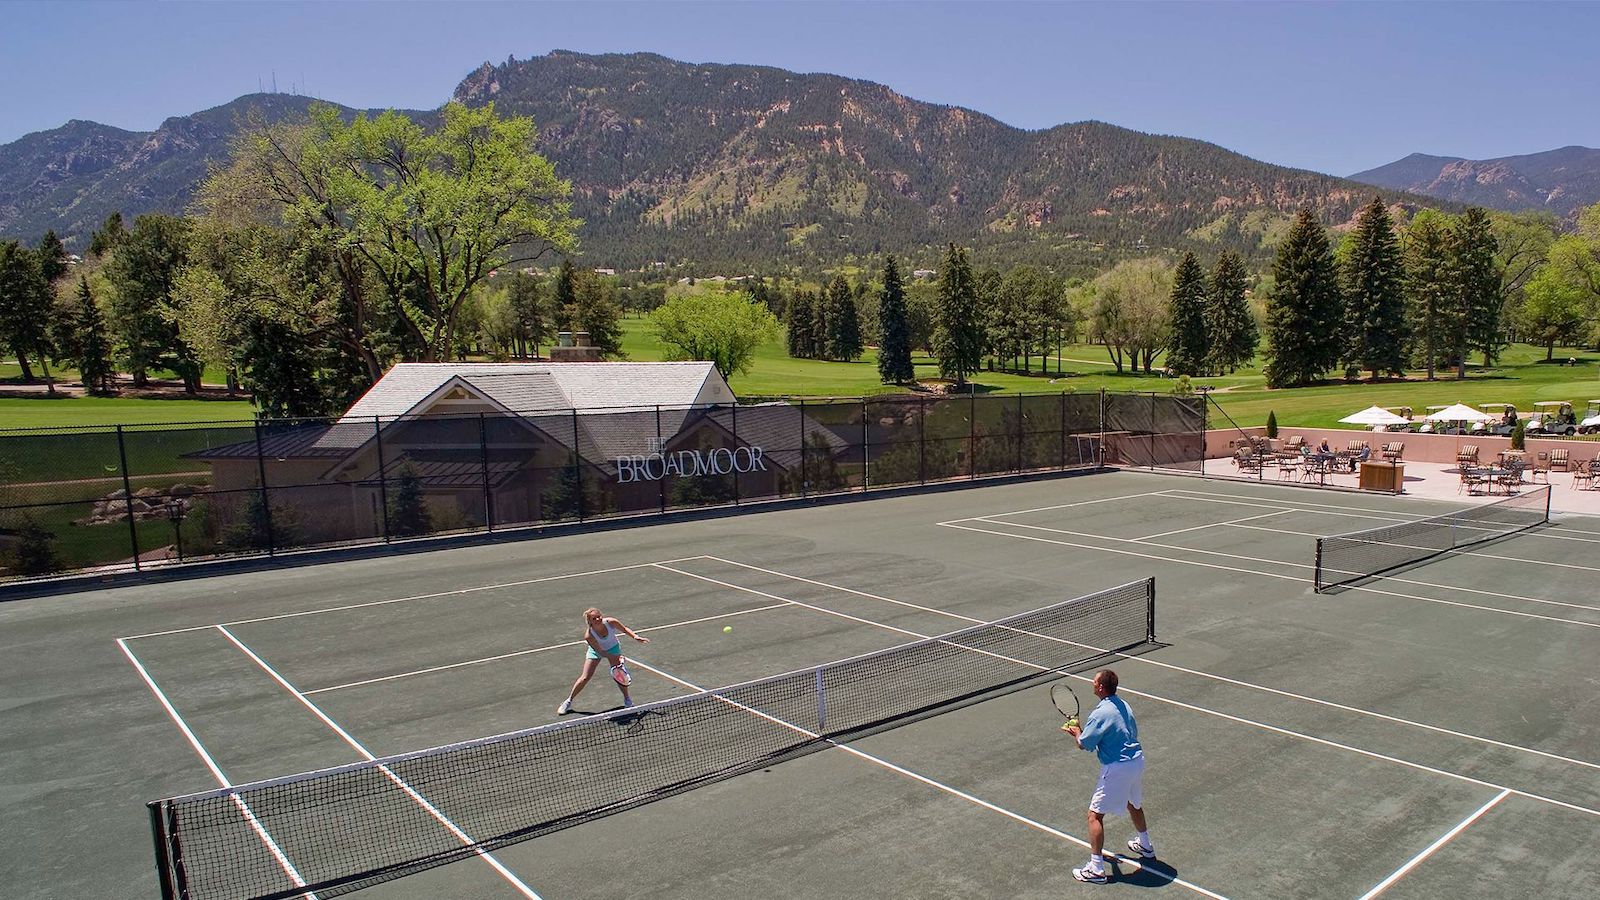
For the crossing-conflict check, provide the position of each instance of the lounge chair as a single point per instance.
(1393, 450)
(1558, 460)
(1357, 446)
(1467, 453)
(1294, 442)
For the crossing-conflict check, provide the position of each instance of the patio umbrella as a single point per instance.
(1459, 413)
(1374, 415)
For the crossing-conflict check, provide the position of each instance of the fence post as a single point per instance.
(127, 498)
(805, 477)
(736, 441)
(266, 498)
(866, 447)
(488, 492)
(661, 483)
(1152, 459)
(577, 462)
(1100, 448)
(383, 477)
(972, 431)
(922, 440)
(1063, 396)
(1020, 432)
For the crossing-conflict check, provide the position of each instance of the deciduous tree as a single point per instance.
(723, 328)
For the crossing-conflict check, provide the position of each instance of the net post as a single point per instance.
(163, 845)
(383, 478)
(1547, 502)
(822, 704)
(1316, 577)
(1150, 606)
(127, 498)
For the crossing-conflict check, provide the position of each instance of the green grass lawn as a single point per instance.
(30, 412)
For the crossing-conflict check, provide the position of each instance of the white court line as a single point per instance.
(956, 523)
(216, 772)
(1274, 728)
(1151, 537)
(1444, 839)
(1041, 509)
(411, 792)
(1353, 512)
(496, 658)
(1403, 580)
(433, 596)
(1461, 552)
(923, 779)
(1185, 670)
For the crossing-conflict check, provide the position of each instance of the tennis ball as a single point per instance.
(727, 629)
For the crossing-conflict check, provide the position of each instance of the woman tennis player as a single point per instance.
(600, 633)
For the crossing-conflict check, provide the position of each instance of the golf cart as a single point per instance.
(1591, 419)
(1503, 423)
(1553, 417)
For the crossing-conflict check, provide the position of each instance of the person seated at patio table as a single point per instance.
(1324, 448)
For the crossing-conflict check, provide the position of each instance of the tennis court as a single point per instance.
(1431, 733)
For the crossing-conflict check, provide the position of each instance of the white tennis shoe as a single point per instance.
(1141, 850)
(565, 707)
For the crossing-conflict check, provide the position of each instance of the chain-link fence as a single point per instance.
(137, 496)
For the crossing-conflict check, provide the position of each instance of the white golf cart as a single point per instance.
(1591, 419)
(1503, 423)
(1552, 417)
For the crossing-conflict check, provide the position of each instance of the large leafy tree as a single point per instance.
(958, 340)
(894, 335)
(1373, 275)
(1305, 312)
(1523, 241)
(1128, 311)
(25, 308)
(1186, 307)
(1556, 309)
(844, 325)
(720, 327)
(414, 218)
(1230, 323)
(1479, 282)
(1430, 287)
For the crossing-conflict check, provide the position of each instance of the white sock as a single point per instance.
(1144, 840)
(1093, 865)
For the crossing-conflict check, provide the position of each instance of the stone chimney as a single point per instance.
(574, 346)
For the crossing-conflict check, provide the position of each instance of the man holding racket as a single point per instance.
(600, 633)
(1112, 734)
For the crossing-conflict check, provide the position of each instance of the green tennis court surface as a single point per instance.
(1433, 733)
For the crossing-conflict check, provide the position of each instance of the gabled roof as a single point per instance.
(523, 387)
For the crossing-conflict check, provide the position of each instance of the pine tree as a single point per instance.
(1372, 278)
(1230, 323)
(52, 257)
(801, 342)
(1429, 287)
(958, 341)
(92, 350)
(844, 326)
(280, 372)
(1186, 355)
(820, 326)
(1477, 272)
(1305, 312)
(108, 236)
(408, 512)
(894, 342)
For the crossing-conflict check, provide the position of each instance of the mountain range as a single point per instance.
(1559, 181)
(741, 164)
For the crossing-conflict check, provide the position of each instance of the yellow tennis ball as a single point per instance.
(727, 629)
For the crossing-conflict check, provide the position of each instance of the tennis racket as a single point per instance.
(1066, 703)
(621, 674)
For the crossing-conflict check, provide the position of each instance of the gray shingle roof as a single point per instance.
(533, 386)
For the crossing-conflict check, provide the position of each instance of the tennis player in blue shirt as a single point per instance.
(1112, 734)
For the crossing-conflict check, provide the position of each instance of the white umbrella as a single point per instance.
(1374, 415)
(1459, 413)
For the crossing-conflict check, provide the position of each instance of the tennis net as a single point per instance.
(341, 829)
(1347, 558)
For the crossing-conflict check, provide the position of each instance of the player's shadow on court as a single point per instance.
(1153, 874)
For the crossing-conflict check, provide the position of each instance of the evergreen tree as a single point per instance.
(52, 257)
(108, 236)
(1477, 270)
(143, 270)
(801, 341)
(91, 350)
(1429, 286)
(1374, 297)
(1186, 355)
(25, 308)
(820, 330)
(566, 292)
(844, 327)
(281, 373)
(1305, 311)
(894, 342)
(533, 324)
(1230, 323)
(408, 512)
(958, 342)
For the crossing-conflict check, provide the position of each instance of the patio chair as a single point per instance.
(1473, 481)
(1512, 479)
(1558, 460)
(1294, 442)
(1583, 476)
(1393, 450)
(1467, 453)
(1541, 466)
(1357, 446)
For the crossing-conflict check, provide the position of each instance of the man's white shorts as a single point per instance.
(1120, 784)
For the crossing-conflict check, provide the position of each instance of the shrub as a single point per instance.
(1272, 424)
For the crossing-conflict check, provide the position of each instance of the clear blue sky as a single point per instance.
(1333, 87)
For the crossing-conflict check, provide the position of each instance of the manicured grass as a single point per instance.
(30, 412)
